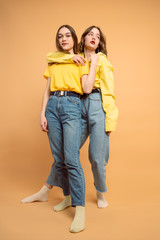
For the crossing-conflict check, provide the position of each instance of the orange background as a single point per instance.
(28, 31)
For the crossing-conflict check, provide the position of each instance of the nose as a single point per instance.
(93, 37)
(64, 38)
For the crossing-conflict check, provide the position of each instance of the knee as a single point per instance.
(98, 162)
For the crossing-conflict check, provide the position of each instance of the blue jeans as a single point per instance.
(64, 129)
(93, 125)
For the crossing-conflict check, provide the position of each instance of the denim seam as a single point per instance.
(79, 163)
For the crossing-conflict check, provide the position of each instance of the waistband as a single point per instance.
(96, 90)
(93, 91)
(65, 93)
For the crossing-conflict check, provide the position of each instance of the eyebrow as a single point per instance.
(96, 33)
(64, 33)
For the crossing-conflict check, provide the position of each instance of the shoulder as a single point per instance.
(54, 54)
(81, 54)
(103, 60)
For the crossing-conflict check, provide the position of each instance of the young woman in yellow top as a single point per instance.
(99, 113)
(61, 119)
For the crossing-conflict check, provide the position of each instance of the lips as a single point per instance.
(92, 42)
(64, 44)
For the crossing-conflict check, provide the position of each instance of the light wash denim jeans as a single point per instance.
(64, 130)
(93, 125)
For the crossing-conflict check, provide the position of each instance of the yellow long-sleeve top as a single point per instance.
(103, 80)
(66, 77)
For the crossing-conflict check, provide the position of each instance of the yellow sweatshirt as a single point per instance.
(103, 81)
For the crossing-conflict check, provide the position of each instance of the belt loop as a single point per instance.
(61, 93)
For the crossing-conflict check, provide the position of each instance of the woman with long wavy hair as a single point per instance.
(61, 119)
(99, 113)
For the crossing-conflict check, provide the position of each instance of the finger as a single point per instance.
(83, 59)
(81, 62)
(45, 130)
(79, 57)
(45, 126)
(77, 62)
(42, 128)
(75, 59)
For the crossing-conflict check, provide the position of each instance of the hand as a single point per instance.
(108, 133)
(43, 123)
(79, 60)
(94, 58)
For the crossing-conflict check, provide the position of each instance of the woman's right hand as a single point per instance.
(79, 60)
(43, 123)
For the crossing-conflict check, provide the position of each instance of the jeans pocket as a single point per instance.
(95, 97)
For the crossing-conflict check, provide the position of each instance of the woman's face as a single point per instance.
(92, 39)
(65, 39)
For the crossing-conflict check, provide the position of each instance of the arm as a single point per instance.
(88, 80)
(43, 120)
(108, 98)
(59, 57)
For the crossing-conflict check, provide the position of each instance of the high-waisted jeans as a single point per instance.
(92, 124)
(64, 130)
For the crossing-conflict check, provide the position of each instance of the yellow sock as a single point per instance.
(64, 204)
(78, 223)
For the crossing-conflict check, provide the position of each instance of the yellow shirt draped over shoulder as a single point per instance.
(66, 76)
(103, 80)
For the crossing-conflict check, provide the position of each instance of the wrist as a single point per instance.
(42, 113)
(94, 64)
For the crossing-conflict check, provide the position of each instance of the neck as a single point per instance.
(88, 53)
(70, 51)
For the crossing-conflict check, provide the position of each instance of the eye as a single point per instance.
(59, 36)
(68, 35)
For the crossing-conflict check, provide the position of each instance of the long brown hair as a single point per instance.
(102, 44)
(74, 36)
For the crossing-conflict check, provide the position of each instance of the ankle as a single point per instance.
(48, 185)
(99, 194)
(101, 201)
(80, 208)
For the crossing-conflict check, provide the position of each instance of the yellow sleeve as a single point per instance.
(47, 73)
(108, 98)
(84, 69)
(59, 57)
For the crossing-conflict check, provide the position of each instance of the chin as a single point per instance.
(66, 49)
(91, 48)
